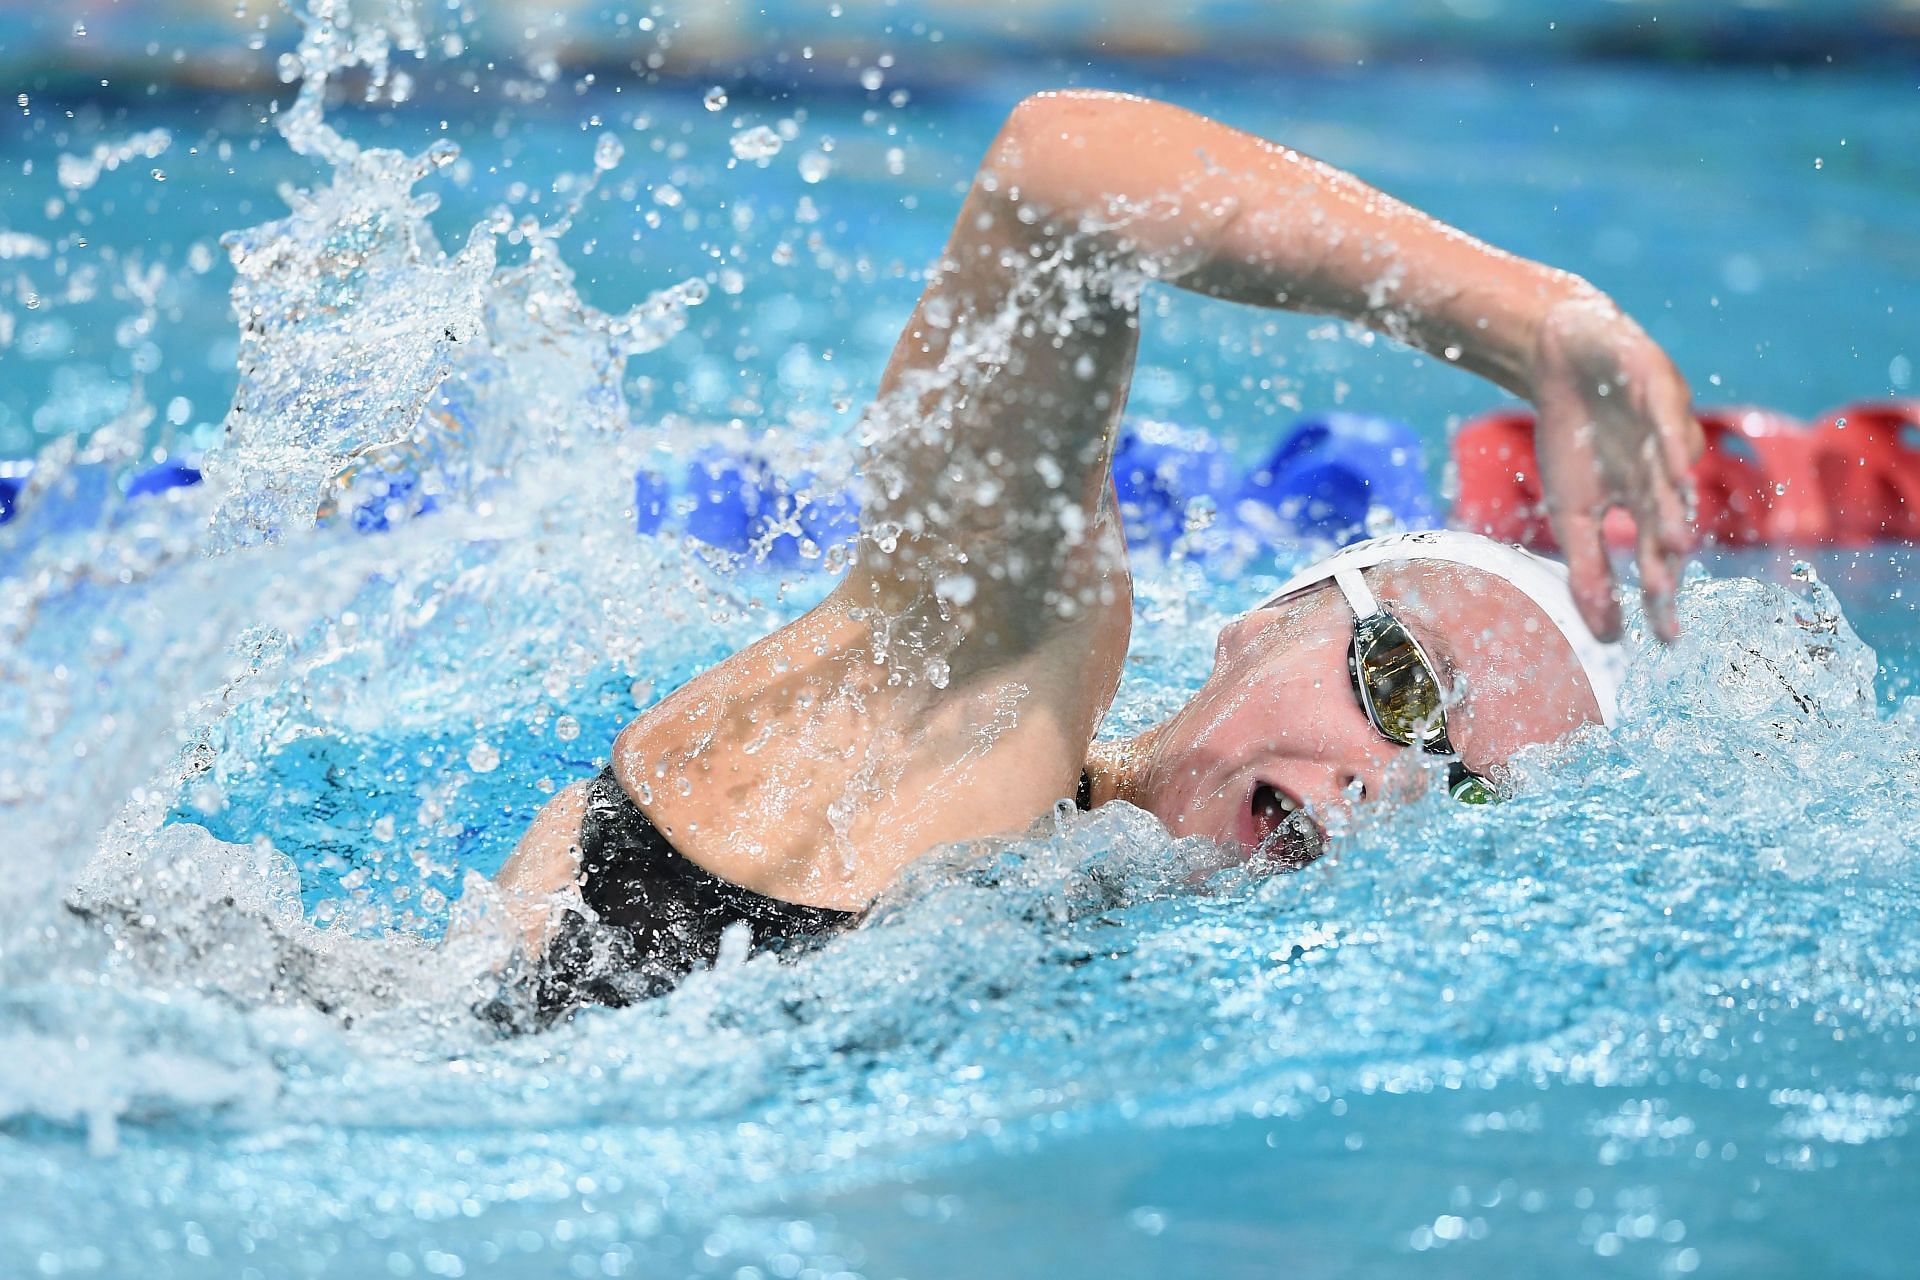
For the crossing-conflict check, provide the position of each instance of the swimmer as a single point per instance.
(952, 685)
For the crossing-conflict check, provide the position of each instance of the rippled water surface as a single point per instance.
(1655, 1016)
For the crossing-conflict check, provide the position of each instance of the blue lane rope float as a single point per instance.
(1340, 476)
(171, 474)
(1848, 478)
(1333, 478)
(1166, 477)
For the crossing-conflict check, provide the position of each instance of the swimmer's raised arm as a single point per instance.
(1012, 373)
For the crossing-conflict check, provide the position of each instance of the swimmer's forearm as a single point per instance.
(1234, 216)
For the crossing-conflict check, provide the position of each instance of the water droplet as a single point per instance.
(159, 175)
(566, 728)
(642, 692)
(872, 78)
(607, 152)
(757, 143)
(716, 99)
(814, 167)
(79, 30)
(483, 757)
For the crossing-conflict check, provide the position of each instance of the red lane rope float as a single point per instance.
(1870, 470)
(1851, 478)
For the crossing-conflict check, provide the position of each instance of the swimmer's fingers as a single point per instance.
(1664, 537)
(1590, 573)
(1659, 579)
(1677, 443)
(1675, 423)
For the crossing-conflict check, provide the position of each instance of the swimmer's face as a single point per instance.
(1277, 729)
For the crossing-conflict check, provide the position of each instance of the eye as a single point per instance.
(1289, 838)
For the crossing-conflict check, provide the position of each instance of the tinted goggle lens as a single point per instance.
(1469, 788)
(1396, 685)
(1403, 699)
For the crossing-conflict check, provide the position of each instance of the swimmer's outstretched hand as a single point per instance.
(1616, 429)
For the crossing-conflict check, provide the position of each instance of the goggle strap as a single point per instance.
(1359, 596)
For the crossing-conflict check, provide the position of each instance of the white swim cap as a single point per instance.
(1539, 579)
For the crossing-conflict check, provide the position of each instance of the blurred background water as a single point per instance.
(1654, 1017)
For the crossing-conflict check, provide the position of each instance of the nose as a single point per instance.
(1372, 773)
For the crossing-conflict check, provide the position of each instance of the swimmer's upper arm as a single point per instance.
(991, 432)
(544, 865)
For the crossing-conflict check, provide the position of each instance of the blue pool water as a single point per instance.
(1656, 1016)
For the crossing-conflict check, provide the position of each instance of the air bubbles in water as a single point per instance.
(566, 728)
(716, 99)
(607, 152)
(814, 166)
(483, 757)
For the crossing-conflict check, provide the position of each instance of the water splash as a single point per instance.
(258, 988)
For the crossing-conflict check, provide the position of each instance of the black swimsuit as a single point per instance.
(660, 917)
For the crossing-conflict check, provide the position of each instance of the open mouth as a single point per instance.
(1287, 837)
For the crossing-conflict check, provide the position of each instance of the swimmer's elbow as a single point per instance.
(1041, 117)
(1060, 148)
(1078, 157)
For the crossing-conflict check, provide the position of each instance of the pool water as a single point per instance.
(1656, 1015)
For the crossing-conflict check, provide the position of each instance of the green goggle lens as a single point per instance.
(1469, 788)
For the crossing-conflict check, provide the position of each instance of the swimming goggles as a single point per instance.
(1397, 686)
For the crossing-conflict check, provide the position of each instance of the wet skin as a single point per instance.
(1277, 727)
(950, 687)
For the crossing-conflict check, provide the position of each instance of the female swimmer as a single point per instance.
(951, 686)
